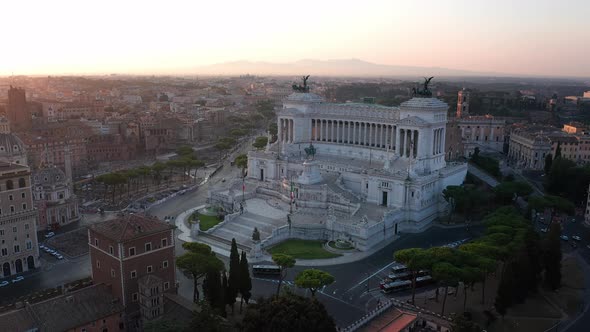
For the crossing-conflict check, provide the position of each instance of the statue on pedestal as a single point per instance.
(424, 92)
(302, 88)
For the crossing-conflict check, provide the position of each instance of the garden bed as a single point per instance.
(302, 249)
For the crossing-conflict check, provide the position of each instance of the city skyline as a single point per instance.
(524, 38)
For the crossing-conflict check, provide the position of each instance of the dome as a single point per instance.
(49, 176)
(424, 103)
(305, 97)
(12, 149)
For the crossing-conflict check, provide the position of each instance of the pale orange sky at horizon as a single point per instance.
(175, 37)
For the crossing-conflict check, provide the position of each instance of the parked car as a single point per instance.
(58, 256)
(544, 230)
(55, 253)
(573, 244)
(577, 238)
(4, 283)
(47, 249)
(51, 251)
(564, 237)
(17, 279)
(48, 235)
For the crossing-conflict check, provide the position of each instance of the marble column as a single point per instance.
(492, 138)
(280, 130)
(397, 139)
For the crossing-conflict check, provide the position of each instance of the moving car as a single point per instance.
(544, 230)
(577, 238)
(564, 237)
(17, 279)
(4, 283)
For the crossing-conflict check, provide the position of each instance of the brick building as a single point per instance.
(124, 251)
(110, 147)
(18, 113)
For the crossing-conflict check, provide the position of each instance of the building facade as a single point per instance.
(125, 250)
(377, 169)
(19, 251)
(54, 198)
(528, 149)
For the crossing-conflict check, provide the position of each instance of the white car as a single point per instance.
(51, 251)
(544, 230)
(48, 235)
(564, 237)
(577, 238)
(4, 283)
(17, 279)
(58, 256)
(46, 249)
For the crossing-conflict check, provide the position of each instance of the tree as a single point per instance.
(197, 262)
(462, 324)
(245, 280)
(448, 275)
(558, 151)
(505, 191)
(185, 150)
(416, 260)
(288, 313)
(255, 235)
(505, 291)
(234, 274)
(215, 291)
(313, 279)
(548, 163)
(260, 142)
(273, 129)
(206, 319)
(284, 262)
(241, 161)
(552, 257)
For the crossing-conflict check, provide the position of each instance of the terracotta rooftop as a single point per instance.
(130, 227)
(393, 320)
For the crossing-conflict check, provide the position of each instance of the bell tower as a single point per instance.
(463, 103)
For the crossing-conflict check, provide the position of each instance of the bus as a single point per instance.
(399, 269)
(266, 269)
(423, 281)
(396, 286)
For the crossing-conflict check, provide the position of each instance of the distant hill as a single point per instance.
(344, 67)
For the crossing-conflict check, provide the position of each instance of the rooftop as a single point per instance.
(130, 227)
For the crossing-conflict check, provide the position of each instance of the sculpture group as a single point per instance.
(424, 92)
(302, 88)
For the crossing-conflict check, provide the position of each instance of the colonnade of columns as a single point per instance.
(382, 136)
(285, 130)
(438, 142)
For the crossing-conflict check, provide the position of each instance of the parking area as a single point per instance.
(70, 244)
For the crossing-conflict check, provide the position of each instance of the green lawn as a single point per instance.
(302, 249)
(206, 222)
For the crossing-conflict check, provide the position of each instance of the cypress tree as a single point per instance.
(505, 290)
(245, 280)
(234, 274)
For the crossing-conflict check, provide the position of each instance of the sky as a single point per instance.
(546, 38)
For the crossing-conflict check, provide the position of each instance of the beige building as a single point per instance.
(528, 148)
(18, 217)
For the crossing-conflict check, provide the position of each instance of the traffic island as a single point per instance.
(302, 249)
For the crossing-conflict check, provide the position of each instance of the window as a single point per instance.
(133, 274)
(9, 185)
(149, 269)
(166, 285)
(164, 264)
(164, 242)
(14, 229)
(16, 248)
(10, 197)
(134, 297)
(29, 245)
(1, 232)
(22, 183)
(23, 195)
(111, 250)
(24, 206)
(132, 251)
(4, 252)
(96, 242)
(26, 226)
(12, 208)
(98, 263)
(112, 273)
(148, 246)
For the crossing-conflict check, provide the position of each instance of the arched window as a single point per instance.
(22, 183)
(9, 185)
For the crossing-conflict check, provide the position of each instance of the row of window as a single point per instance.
(16, 248)
(14, 229)
(22, 183)
(135, 296)
(133, 273)
(148, 247)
